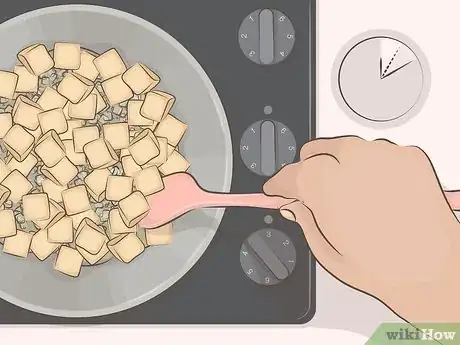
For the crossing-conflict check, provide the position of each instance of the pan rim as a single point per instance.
(200, 250)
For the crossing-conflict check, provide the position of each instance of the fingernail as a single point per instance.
(289, 215)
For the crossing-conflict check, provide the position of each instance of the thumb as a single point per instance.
(320, 246)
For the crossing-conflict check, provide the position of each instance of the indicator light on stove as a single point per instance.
(267, 146)
(268, 257)
(266, 36)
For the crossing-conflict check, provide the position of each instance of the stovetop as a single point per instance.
(260, 57)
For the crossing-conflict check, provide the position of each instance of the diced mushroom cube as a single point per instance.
(50, 149)
(175, 163)
(116, 90)
(7, 223)
(56, 213)
(68, 261)
(94, 259)
(25, 113)
(85, 110)
(87, 68)
(133, 209)
(140, 78)
(126, 247)
(36, 207)
(116, 224)
(24, 167)
(53, 119)
(101, 104)
(124, 153)
(61, 232)
(4, 170)
(19, 244)
(4, 195)
(71, 125)
(134, 115)
(108, 232)
(27, 82)
(18, 185)
(41, 247)
(90, 237)
(162, 157)
(51, 99)
(117, 134)
(62, 173)
(6, 122)
(75, 88)
(159, 236)
(96, 183)
(100, 154)
(78, 218)
(66, 55)
(157, 105)
(65, 110)
(130, 167)
(144, 147)
(118, 187)
(75, 200)
(36, 133)
(172, 129)
(109, 64)
(74, 157)
(83, 136)
(8, 82)
(148, 181)
(19, 142)
(53, 190)
(36, 59)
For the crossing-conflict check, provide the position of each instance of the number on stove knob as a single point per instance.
(266, 36)
(267, 146)
(268, 257)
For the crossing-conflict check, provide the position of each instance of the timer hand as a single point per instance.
(396, 70)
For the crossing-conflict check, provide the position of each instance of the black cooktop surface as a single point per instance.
(259, 55)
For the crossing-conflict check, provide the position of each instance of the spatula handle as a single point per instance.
(261, 200)
(258, 200)
(453, 197)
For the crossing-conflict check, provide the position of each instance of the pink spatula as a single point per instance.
(183, 194)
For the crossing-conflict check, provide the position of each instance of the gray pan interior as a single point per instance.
(115, 286)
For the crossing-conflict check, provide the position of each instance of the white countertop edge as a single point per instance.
(140, 335)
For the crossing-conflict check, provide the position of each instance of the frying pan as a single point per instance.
(114, 286)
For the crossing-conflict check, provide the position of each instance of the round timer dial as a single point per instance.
(266, 36)
(268, 257)
(382, 78)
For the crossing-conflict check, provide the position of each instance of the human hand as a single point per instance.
(376, 218)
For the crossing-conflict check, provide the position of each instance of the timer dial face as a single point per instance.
(382, 79)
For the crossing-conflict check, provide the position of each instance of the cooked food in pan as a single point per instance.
(84, 141)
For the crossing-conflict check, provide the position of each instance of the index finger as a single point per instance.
(296, 181)
(331, 146)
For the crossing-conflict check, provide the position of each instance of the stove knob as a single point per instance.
(267, 146)
(266, 36)
(268, 257)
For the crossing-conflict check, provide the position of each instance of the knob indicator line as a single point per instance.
(268, 148)
(268, 257)
(266, 32)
